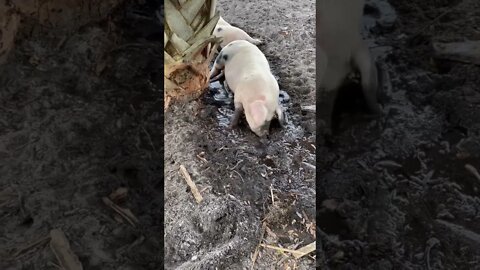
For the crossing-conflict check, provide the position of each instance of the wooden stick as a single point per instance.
(123, 212)
(473, 171)
(191, 184)
(308, 108)
(282, 249)
(257, 249)
(305, 250)
(35, 244)
(61, 248)
(271, 193)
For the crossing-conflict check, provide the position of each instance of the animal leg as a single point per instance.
(236, 115)
(333, 76)
(369, 77)
(281, 116)
(325, 103)
(214, 72)
(218, 65)
(217, 77)
(227, 88)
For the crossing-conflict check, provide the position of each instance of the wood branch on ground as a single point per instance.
(305, 250)
(308, 108)
(257, 249)
(297, 253)
(61, 248)
(22, 250)
(119, 195)
(282, 249)
(193, 187)
(123, 212)
(465, 52)
(473, 171)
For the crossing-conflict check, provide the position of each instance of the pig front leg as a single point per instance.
(217, 77)
(214, 73)
(236, 115)
(281, 116)
(325, 105)
(227, 88)
(333, 77)
(369, 78)
(218, 65)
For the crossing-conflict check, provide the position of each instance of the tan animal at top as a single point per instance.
(256, 91)
(341, 50)
(231, 33)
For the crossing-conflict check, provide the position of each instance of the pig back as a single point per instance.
(244, 62)
(338, 24)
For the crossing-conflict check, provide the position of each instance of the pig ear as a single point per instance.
(258, 112)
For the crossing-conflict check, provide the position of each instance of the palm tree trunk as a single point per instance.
(189, 47)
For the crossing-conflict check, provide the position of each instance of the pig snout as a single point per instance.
(257, 118)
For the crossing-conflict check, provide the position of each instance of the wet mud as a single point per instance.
(401, 191)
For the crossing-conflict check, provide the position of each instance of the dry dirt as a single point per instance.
(236, 171)
(394, 193)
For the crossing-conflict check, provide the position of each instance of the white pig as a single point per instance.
(230, 33)
(341, 50)
(256, 91)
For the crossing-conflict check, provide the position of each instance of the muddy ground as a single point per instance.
(80, 116)
(236, 171)
(395, 192)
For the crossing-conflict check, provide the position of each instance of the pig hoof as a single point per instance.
(258, 42)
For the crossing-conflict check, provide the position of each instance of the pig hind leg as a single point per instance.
(332, 78)
(369, 77)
